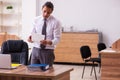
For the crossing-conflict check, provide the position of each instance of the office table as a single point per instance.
(22, 73)
(110, 64)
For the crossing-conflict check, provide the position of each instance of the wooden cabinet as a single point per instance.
(4, 36)
(10, 16)
(116, 44)
(68, 50)
(110, 65)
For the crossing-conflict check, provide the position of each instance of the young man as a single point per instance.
(43, 52)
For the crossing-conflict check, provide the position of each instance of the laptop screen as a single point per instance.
(5, 61)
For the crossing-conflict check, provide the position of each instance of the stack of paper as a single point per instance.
(108, 50)
(36, 37)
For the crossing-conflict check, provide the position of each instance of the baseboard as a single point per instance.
(69, 63)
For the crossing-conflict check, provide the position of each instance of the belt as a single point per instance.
(43, 49)
(47, 49)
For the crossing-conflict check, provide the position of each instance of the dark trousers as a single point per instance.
(42, 56)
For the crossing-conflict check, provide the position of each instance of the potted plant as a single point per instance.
(9, 8)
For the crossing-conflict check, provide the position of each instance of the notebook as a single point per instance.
(38, 67)
(5, 62)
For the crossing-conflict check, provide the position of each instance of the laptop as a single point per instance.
(5, 62)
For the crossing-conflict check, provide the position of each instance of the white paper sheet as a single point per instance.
(109, 50)
(36, 37)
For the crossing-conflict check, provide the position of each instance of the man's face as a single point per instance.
(46, 11)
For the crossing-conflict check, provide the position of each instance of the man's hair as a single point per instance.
(49, 5)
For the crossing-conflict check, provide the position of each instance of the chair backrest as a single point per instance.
(18, 50)
(85, 52)
(101, 46)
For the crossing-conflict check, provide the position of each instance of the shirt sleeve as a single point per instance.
(57, 33)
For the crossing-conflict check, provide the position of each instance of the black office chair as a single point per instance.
(18, 50)
(86, 56)
(100, 46)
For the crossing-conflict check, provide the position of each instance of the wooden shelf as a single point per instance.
(6, 13)
(12, 26)
(10, 20)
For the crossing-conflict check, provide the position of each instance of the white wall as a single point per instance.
(103, 15)
(28, 13)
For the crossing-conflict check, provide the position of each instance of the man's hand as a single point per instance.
(45, 42)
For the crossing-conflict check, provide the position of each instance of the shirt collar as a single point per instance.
(47, 18)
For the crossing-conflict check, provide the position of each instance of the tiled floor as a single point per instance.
(77, 72)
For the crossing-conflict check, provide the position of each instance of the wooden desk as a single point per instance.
(58, 73)
(110, 65)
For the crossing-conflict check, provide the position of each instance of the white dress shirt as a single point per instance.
(53, 31)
